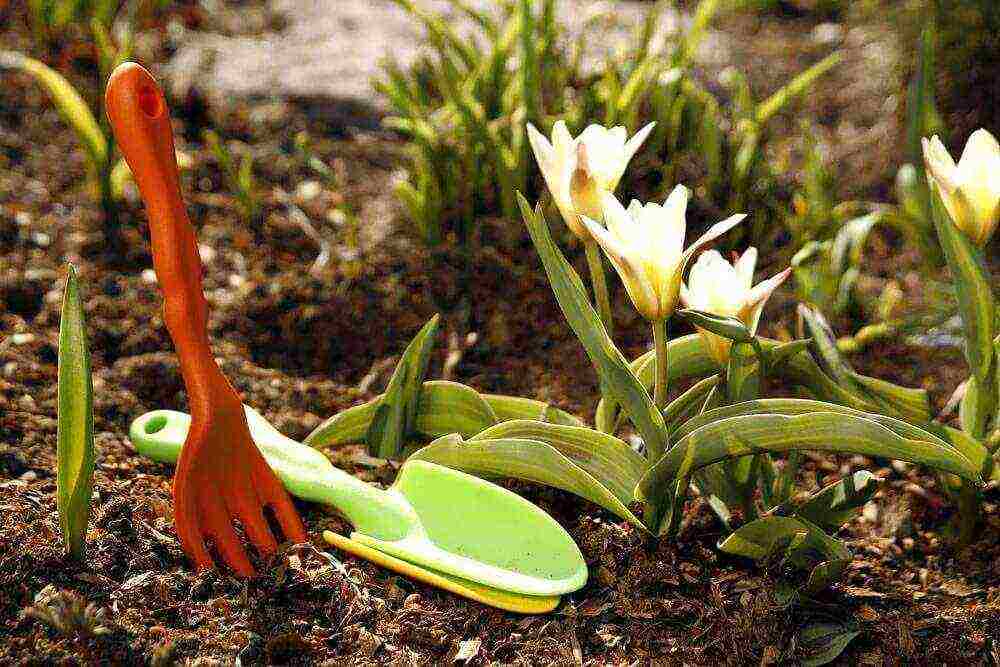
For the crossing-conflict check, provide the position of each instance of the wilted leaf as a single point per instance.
(75, 438)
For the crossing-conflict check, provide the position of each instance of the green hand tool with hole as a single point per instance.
(439, 525)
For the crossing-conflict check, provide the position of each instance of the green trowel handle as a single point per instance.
(305, 472)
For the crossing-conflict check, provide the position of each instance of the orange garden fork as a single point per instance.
(220, 475)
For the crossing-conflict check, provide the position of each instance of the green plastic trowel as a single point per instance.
(439, 525)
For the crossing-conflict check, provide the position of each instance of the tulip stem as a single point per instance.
(599, 281)
(662, 363)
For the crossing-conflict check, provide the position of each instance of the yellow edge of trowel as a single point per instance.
(522, 604)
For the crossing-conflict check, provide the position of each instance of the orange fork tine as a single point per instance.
(221, 474)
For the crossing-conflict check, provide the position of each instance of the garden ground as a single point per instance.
(303, 341)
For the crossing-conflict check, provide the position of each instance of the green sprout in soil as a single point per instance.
(239, 177)
(106, 176)
(75, 449)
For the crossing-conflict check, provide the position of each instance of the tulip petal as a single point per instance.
(714, 232)
(939, 163)
(759, 295)
(673, 226)
(621, 223)
(633, 277)
(745, 266)
(980, 153)
(540, 146)
(979, 177)
(686, 296)
(633, 144)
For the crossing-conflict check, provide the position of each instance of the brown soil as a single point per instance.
(301, 346)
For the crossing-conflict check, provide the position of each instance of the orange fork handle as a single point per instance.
(141, 124)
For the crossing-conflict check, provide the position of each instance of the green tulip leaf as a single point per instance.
(70, 105)
(395, 414)
(450, 407)
(743, 435)
(75, 426)
(527, 459)
(972, 288)
(882, 396)
(444, 407)
(516, 407)
(822, 643)
(762, 538)
(728, 327)
(608, 459)
(836, 504)
(613, 369)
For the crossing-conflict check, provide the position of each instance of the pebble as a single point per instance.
(29, 476)
(207, 253)
(22, 338)
(27, 402)
(827, 33)
(308, 190)
(149, 276)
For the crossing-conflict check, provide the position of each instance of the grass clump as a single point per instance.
(464, 108)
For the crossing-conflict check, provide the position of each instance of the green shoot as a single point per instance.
(94, 136)
(239, 176)
(75, 448)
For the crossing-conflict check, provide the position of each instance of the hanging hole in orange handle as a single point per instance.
(149, 102)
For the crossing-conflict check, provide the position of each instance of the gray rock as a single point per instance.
(329, 50)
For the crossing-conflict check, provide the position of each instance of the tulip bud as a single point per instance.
(581, 171)
(715, 286)
(970, 190)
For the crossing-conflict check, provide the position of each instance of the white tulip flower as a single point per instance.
(646, 246)
(715, 286)
(970, 189)
(580, 171)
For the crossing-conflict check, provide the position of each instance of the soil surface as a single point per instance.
(304, 333)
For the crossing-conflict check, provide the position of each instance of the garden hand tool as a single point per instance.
(220, 475)
(433, 518)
